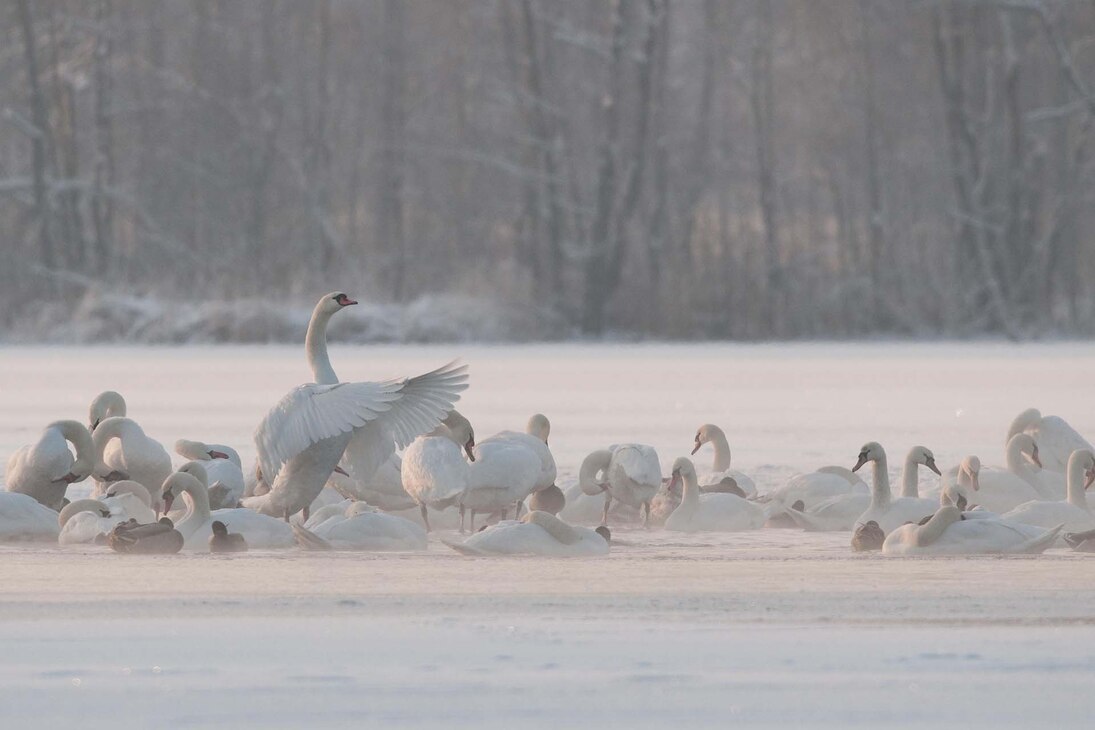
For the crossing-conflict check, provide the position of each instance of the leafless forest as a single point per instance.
(673, 168)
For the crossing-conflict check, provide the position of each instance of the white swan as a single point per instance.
(107, 404)
(86, 520)
(1056, 439)
(1073, 513)
(713, 512)
(222, 464)
(815, 487)
(535, 437)
(841, 512)
(889, 512)
(507, 468)
(23, 519)
(434, 472)
(630, 473)
(948, 533)
(709, 433)
(196, 526)
(537, 533)
(357, 526)
(996, 490)
(304, 436)
(125, 452)
(44, 469)
(384, 489)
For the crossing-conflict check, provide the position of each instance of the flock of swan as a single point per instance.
(376, 465)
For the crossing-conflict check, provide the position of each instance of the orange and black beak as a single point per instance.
(1035, 458)
(468, 449)
(345, 301)
(214, 454)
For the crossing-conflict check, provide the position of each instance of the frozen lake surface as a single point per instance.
(772, 628)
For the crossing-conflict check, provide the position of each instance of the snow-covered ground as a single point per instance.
(772, 628)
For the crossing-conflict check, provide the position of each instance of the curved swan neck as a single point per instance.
(315, 345)
(1075, 480)
(197, 508)
(592, 465)
(81, 505)
(1017, 463)
(690, 498)
(931, 531)
(722, 449)
(77, 434)
(910, 474)
(880, 486)
(1023, 421)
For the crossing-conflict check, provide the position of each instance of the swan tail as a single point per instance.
(465, 549)
(1041, 543)
(808, 522)
(309, 540)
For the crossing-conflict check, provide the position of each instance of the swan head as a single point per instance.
(1024, 445)
(198, 450)
(106, 405)
(1028, 418)
(605, 533)
(971, 467)
(460, 430)
(539, 426)
(923, 455)
(127, 486)
(705, 434)
(683, 469)
(871, 451)
(1087, 462)
(196, 470)
(332, 302)
(177, 483)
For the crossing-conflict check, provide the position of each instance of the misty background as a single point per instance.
(525, 169)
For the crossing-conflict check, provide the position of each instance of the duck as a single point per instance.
(222, 464)
(709, 433)
(433, 469)
(536, 533)
(947, 532)
(155, 538)
(25, 519)
(126, 452)
(716, 512)
(841, 512)
(630, 473)
(1056, 438)
(550, 499)
(353, 525)
(223, 541)
(1074, 513)
(45, 469)
(868, 537)
(889, 512)
(86, 521)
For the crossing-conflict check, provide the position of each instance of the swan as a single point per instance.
(537, 533)
(995, 490)
(87, 520)
(23, 519)
(384, 489)
(815, 487)
(507, 468)
(44, 469)
(889, 512)
(107, 404)
(303, 437)
(156, 538)
(948, 533)
(709, 433)
(1073, 513)
(1022, 458)
(714, 512)
(1056, 439)
(223, 466)
(357, 526)
(631, 473)
(223, 541)
(842, 511)
(434, 472)
(535, 437)
(196, 526)
(125, 452)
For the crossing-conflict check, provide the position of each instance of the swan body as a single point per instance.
(357, 526)
(709, 433)
(947, 533)
(997, 490)
(24, 519)
(537, 533)
(535, 438)
(126, 452)
(107, 404)
(886, 510)
(630, 474)
(384, 489)
(1073, 513)
(713, 512)
(505, 471)
(222, 464)
(44, 469)
(1056, 439)
(813, 488)
(87, 520)
(434, 472)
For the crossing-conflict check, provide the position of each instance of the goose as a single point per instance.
(537, 533)
(1056, 439)
(303, 437)
(631, 474)
(841, 512)
(1073, 513)
(24, 519)
(222, 464)
(948, 533)
(715, 512)
(709, 433)
(997, 491)
(125, 452)
(434, 472)
(87, 521)
(357, 526)
(196, 526)
(107, 404)
(815, 487)
(889, 512)
(223, 541)
(156, 538)
(44, 469)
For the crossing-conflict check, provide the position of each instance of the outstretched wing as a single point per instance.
(421, 404)
(311, 413)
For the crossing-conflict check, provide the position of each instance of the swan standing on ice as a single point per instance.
(44, 470)
(434, 472)
(107, 404)
(1073, 513)
(712, 512)
(125, 452)
(357, 526)
(86, 520)
(508, 467)
(1056, 439)
(222, 464)
(948, 533)
(303, 437)
(888, 512)
(630, 473)
(709, 433)
(535, 437)
(537, 533)
(842, 512)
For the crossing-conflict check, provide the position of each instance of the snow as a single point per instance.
(772, 628)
